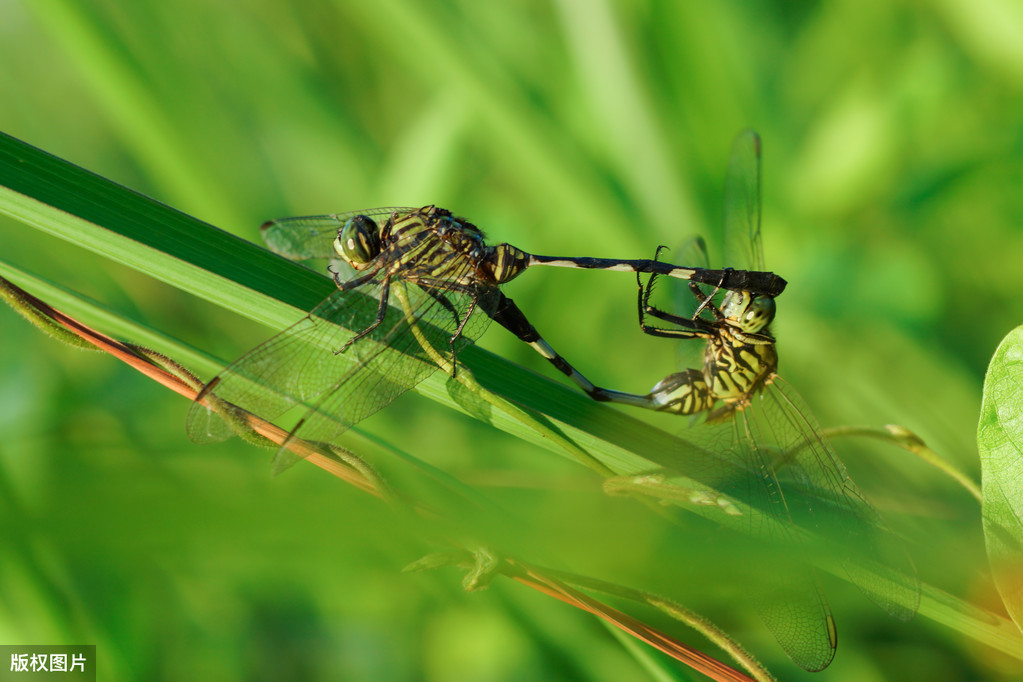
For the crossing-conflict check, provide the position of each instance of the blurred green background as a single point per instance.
(893, 161)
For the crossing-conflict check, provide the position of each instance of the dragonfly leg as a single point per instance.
(691, 328)
(437, 294)
(385, 291)
(704, 299)
(694, 327)
(458, 332)
(348, 285)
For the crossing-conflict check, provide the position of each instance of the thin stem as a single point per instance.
(907, 440)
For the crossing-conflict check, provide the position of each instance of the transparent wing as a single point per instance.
(743, 245)
(304, 237)
(732, 457)
(295, 367)
(822, 497)
(796, 499)
(302, 367)
(692, 251)
(803, 509)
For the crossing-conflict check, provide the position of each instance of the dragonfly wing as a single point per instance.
(692, 252)
(414, 339)
(297, 366)
(799, 616)
(304, 237)
(396, 356)
(731, 457)
(823, 498)
(743, 245)
(303, 368)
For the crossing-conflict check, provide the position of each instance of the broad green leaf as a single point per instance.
(1000, 441)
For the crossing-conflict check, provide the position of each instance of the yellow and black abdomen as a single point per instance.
(734, 367)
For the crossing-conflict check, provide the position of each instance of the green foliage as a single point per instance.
(892, 162)
(1000, 440)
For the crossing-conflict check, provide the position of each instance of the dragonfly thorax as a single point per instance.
(358, 242)
(459, 234)
(749, 312)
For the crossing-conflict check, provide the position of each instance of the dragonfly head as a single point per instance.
(358, 242)
(750, 312)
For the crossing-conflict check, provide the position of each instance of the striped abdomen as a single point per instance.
(733, 369)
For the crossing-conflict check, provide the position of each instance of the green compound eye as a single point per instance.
(358, 242)
(759, 314)
(751, 312)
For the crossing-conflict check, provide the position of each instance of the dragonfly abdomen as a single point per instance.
(684, 392)
(733, 369)
(505, 262)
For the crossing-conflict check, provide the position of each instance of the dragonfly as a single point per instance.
(759, 443)
(425, 284)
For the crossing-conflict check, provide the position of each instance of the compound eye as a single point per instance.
(358, 242)
(759, 315)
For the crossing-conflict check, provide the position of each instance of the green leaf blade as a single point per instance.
(1000, 442)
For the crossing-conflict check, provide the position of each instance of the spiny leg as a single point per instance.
(691, 328)
(385, 290)
(350, 284)
(694, 327)
(705, 299)
(458, 332)
(684, 392)
(437, 294)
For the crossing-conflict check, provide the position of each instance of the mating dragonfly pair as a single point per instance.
(426, 284)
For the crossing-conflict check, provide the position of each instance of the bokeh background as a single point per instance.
(893, 161)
